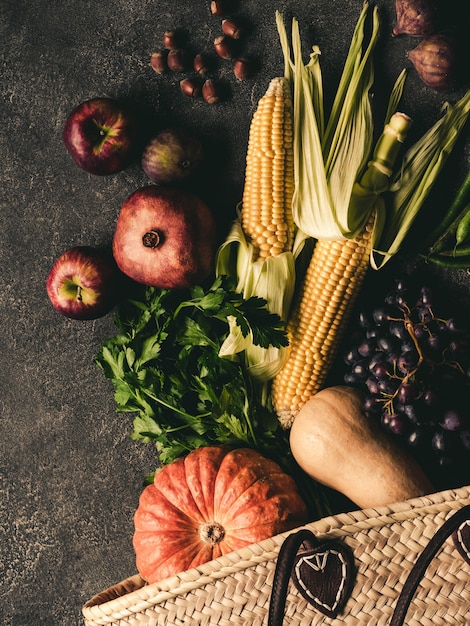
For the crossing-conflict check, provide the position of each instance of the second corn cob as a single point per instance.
(332, 283)
(329, 289)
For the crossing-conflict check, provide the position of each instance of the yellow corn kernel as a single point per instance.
(266, 214)
(329, 290)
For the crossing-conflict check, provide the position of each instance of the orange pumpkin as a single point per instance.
(211, 502)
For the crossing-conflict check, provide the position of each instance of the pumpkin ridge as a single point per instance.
(147, 517)
(278, 508)
(201, 475)
(186, 558)
(273, 484)
(232, 482)
(182, 499)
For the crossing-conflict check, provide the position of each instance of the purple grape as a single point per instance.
(394, 422)
(441, 442)
(416, 438)
(364, 320)
(434, 342)
(373, 333)
(352, 356)
(366, 348)
(407, 346)
(407, 392)
(360, 370)
(407, 362)
(370, 403)
(412, 413)
(452, 325)
(386, 344)
(398, 330)
(379, 370)
(400, 285)
(377, 358)
(372, 385)
(388, 386)
(425, 315)
(419, 331)
(431, 398)
(452, 420)
(380, 316)
(425, 296)
(350, 379)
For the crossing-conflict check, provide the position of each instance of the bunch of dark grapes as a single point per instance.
(414, 368)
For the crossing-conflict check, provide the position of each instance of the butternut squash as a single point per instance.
(339, 445)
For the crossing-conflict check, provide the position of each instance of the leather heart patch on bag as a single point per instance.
(324, 576)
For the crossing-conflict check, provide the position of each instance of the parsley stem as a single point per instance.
(172, 408)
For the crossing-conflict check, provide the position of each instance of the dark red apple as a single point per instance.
(82, 283)
(165, 237)
(101, 135)
(172, 156)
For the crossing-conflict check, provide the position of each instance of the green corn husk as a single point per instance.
(411, 186)
(325, 167)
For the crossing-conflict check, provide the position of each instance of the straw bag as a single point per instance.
(414, 553)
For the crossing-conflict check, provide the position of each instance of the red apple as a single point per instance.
(101, 135)
(82, 283)
(165, 237)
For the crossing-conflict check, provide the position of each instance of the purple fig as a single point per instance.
(418, 18)
(435, 61)
(172, 156)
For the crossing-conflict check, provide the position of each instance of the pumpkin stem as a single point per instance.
(212, 532)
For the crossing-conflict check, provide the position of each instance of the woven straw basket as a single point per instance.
(235, 589)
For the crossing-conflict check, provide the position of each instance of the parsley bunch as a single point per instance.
(165, 367)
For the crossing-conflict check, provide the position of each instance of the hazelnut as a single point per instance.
(218, 7)
(232, 29)
(190, 87)
(223, 47)
(242, 68)
(200, 65)
(158, 62)
(210, 92)
(176, 60)
(170, 40)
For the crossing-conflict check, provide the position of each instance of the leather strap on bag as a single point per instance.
(324, 572)
(448, 528)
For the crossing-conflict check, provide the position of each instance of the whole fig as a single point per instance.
(435, 60)
(418, 18)
(172, 156)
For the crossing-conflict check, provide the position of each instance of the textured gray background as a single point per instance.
(70, 476)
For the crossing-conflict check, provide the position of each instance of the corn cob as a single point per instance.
(266, 214)
(329, 290)
(332, 283)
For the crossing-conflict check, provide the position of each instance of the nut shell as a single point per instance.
(223, 45)
(211, 92)
(242, 68)
(158, 62)
(176, 60)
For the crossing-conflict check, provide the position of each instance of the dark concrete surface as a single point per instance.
(70, 475)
